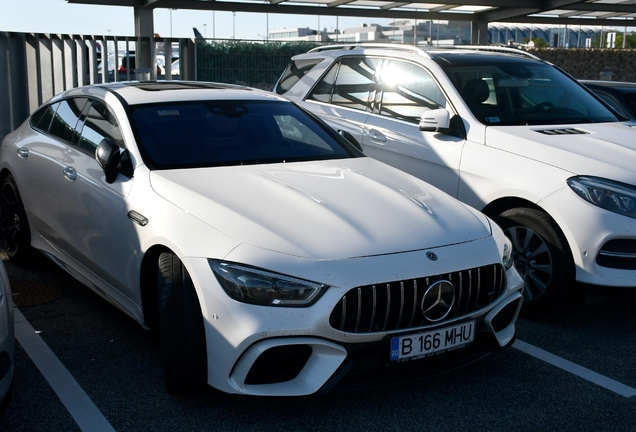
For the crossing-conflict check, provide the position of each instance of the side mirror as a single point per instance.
(108, 157)
(349, 137)
(433, 120)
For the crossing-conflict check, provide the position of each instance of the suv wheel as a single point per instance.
(541, 256)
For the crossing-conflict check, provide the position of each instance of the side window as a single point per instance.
(295, 71)
(408, 91)
(322, 91)
(41, 120)
(348, 83)
(612, 102)
(100, 123)
(66, 117)
(354, 82)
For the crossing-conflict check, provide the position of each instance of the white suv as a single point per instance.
(501, 130)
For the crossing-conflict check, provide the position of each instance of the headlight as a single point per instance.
(261, 287)
(611, 195)
(506, 259)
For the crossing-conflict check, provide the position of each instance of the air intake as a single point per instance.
(568, 131)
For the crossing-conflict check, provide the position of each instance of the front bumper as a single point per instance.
(603, 243)
(285, 351)
(303, 366)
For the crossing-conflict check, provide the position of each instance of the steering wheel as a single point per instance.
(543, 106)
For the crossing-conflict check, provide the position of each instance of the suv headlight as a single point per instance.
(608, 194)
(261, 287)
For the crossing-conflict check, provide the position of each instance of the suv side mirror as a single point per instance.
(434, 120)
(108, 157)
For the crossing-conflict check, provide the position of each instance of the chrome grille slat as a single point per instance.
(414, 302)
(397, 325)
(470, 290)
(344, 313)
(373, 308)
(388, 306)
(369, 309)
(359, 309)
(494, 285)
(478, 289)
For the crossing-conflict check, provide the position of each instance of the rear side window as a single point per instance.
(41, 120)
(66, 117)
(353, 82)
(294, 73)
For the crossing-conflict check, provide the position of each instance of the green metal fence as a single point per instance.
(256, 64)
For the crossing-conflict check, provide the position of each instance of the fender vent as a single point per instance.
(569, 131)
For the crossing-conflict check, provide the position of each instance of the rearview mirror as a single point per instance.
(433, 120)
(108, 156)
(513, 82)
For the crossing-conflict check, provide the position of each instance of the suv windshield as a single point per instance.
(232, 132)
(510, 91)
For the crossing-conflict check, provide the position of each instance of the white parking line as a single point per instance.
(575, 369)
(76, 401)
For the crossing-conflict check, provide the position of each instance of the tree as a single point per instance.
(630, 40)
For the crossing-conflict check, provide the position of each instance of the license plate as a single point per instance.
(431, 342)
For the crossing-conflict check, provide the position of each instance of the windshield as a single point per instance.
(214, 133)
(511, 91)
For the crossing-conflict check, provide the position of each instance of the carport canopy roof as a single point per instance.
(616, 13)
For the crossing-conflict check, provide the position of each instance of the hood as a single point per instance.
(599, 149)
(322, 210)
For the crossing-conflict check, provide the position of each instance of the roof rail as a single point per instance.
(424, 50)
(495, 48)
(396, 47)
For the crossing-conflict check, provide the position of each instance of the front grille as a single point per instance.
(279, 364)
(397, 305)
(618, 254)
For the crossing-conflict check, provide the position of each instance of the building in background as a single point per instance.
(437, 32)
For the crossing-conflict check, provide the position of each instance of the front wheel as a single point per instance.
(14, 227)
(181, 328)
(541, 256)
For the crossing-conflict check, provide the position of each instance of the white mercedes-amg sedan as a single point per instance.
(271, 255)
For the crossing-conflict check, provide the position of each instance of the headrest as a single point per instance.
(476, 91)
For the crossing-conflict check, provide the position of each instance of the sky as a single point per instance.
(58, 16)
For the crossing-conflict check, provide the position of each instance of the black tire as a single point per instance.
(14, 226)
(542, 257)
(181, 328)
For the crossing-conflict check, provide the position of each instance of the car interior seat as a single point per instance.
(475, 93)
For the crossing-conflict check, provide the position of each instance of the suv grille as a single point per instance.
(397, 305)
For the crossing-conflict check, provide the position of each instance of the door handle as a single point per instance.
(23, 152)
(377, 136)
(70, 173)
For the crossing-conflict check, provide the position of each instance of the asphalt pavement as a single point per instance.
(572, 371)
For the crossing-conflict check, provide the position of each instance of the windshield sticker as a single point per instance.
(492, 119)
(171, 112)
